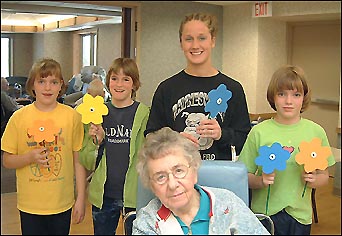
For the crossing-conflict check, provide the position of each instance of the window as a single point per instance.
(89, 45)
(5, 56)
(95, 51)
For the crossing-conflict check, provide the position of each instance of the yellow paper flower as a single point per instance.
(92, 109)
(43, 130)
(313, 155)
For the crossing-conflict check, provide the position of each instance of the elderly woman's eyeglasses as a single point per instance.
(179, 172)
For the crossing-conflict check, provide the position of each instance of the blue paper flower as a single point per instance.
(273, 157)
(218, 99)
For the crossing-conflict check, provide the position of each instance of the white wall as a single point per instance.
(160, 52)
(254, 48)
(22, 51)
(316, 47)
(109, 44)
(56, 45)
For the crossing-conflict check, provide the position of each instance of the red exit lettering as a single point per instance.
(260, 8)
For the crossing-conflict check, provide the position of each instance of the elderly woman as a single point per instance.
(168, 165)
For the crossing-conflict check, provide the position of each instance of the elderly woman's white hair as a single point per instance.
(164, 142)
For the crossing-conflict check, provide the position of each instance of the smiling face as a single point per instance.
(47, 90)
(121, 86)
(176, 194)
(197, 43)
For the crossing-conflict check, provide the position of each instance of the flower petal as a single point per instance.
(43, 130)
(218, 100)
(92, 109)
(271, 158)
(313, 155)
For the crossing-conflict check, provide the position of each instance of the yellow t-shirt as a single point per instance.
(45, 191)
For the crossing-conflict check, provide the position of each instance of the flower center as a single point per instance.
(41, 129)
(272, 156)
(92, 109)
(219, 101)
(313, 154)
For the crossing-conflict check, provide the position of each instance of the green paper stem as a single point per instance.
(96, 140)
(306, 183)
(268, 197)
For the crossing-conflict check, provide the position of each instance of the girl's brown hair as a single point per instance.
(289, 77)
(41, 69)
(209, 20)
(129, 68)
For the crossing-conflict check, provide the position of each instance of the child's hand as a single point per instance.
(316, 178)
(40, 156)
(267, 178)
(97, 132)
(78, 211)
(209, 128)
(310, 177)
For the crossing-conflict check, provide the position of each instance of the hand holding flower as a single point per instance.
(313, 156)
(40, 157)
(209, 128)
(43, 131)
(97, 132)
(271, 158)
(267, 178)
(310, 177)
(316, 178)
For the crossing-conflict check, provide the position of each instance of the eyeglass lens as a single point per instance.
(179, 172)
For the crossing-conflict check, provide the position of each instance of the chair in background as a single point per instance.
(5, 115)
(225, 174)
(269, 221)
(128, 222)
(17, 86)
(220, 174)
(313, 203)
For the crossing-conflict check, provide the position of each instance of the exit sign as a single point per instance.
(262, 9)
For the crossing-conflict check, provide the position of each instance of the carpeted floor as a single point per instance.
(8, 179)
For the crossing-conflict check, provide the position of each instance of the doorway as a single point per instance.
(316, 47)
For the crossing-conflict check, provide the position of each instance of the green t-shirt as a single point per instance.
(286, 192)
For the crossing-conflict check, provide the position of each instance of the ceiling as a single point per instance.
(29, 13)
(30, 19)
(223, 3)
(20, 14)
(26, 16)
(36, 20)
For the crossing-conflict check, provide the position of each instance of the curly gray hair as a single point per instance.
(164, 142)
